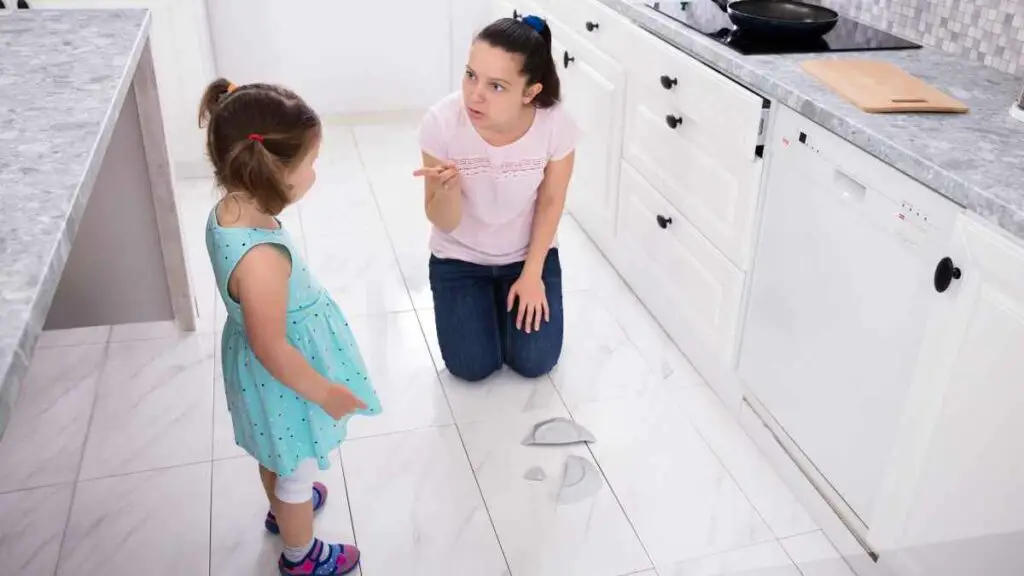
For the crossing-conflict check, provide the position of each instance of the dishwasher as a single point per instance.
(849, 261)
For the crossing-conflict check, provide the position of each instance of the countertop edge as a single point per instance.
(14, 368)
(975, 200)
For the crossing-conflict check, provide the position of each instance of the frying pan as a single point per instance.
(787, 18)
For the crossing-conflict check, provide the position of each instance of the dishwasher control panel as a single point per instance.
(888, 198)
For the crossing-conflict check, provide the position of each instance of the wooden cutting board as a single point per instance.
(877, 86)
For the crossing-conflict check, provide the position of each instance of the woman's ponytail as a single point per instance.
(551, 87)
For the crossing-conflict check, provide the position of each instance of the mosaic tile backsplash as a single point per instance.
(988, 31)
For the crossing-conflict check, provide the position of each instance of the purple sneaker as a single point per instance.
(319, 499)
(340, 559)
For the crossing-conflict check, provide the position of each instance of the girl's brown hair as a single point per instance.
(256, 135)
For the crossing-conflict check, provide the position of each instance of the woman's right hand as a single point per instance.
(339, 402)
(443, 176)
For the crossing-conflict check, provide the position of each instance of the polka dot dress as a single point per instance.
(272, 423)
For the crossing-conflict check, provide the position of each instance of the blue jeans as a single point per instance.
(476, 332)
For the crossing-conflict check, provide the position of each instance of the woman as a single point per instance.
(497, 159)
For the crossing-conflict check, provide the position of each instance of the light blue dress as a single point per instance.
(273, 423)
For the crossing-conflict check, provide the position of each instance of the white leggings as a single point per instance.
(297, 488)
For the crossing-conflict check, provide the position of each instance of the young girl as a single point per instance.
(497, 158)
(292, 371)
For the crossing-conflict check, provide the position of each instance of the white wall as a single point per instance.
(343, 57)
(468, 17)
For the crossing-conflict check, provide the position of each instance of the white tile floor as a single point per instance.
(120, 454)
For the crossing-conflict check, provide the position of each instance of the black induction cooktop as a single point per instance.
(706, 17)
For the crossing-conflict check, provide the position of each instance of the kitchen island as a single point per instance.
(89, 232)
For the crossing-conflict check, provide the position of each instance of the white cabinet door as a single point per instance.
(692, 289)
(342, 57)
(593, 91)
(958, 468)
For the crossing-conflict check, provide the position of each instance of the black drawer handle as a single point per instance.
(673, 121)
(945, 273)
(591, 26)
(667, 82)
(663, 222)
(566, 59)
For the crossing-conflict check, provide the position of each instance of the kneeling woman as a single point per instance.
(497, 161)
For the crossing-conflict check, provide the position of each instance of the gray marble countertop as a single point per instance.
(64, 75)
(976, 160)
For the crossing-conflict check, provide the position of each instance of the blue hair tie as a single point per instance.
(535, 22)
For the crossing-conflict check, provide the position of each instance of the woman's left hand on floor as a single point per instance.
(533, 303)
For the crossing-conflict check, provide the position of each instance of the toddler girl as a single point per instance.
(292, 371)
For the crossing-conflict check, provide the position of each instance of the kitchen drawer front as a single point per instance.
(728, 117)
(514, 9)
(595, 23)
(690, 286)
(716, 192)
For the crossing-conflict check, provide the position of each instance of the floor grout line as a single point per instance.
(437, 372)
(608, 483)
(85, 445)
(213, 447)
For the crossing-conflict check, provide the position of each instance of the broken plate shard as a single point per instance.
(581, 480)
(558, 431)
(535, 474)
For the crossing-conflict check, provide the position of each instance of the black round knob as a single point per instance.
(945, 273)
(566, 59)
(663, 222)
(591, 26)
(673, 121)
(667, 82)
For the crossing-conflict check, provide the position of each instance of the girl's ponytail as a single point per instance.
(212, 97)
(253, 167)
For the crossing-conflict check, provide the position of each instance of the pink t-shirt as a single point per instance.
(499, 184)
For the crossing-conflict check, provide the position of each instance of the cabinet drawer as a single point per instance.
(595, 23)
(692, 288)
(514, 9)
(715, 190)
(727, 115)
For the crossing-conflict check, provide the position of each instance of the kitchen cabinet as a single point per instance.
(593, 91)
(183, 56)
(514, 9)
(595, 23)
(956, 478)
(703, 176)
(705, 162)
(687, 284)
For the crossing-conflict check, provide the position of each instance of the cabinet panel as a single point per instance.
(694, 134)
(716, 192)
(690, 286)
(594, 23)
(593, 91)
(957, 471)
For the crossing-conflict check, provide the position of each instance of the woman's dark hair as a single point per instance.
(256, 134)
(531, 39)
